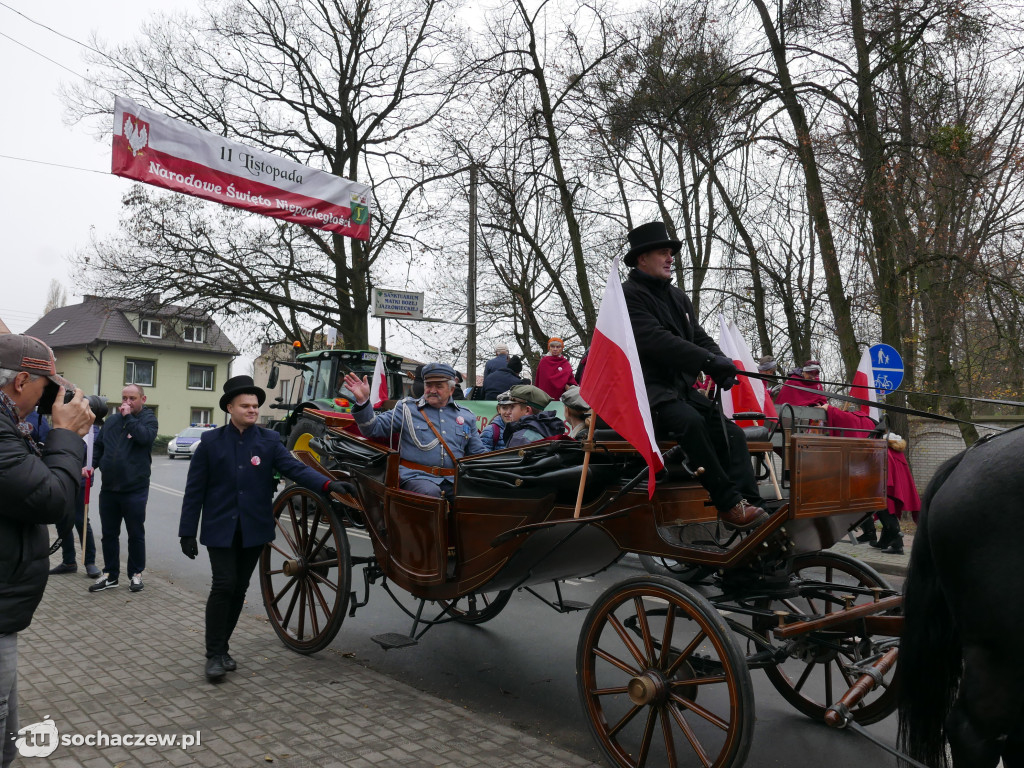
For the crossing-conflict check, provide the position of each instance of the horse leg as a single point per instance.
(986, 711)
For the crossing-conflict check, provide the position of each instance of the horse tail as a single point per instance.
(930, 666)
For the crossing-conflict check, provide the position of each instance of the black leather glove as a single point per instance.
(342, 488)
(189, 547)
(721, 370)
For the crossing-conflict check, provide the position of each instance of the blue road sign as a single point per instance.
(886, 368)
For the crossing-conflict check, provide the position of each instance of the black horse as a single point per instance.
(961, 663)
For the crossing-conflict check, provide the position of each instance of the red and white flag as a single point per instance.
(863, 386)
(379, 385)
(613, 383)
(747, 395)
(156, 149)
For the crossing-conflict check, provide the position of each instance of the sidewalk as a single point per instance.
(891, 565)
(122, 663)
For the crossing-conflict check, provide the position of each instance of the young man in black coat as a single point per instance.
(673, 350)
(38, 487)
(230, 487)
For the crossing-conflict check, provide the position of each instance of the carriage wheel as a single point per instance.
(476, 608)
(676, 569)
(661, 679)
(305, 573)
(816, 675)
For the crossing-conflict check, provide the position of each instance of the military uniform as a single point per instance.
(425, 462)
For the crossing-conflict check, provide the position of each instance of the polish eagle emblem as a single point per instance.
(136, 132)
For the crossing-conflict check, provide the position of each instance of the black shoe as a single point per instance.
(867, 538)
(103, 582)
(228, 663)
(214, 669)
(63, 568)
(896, 548)
(92, 571)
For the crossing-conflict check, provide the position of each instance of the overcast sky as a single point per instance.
(47, 212)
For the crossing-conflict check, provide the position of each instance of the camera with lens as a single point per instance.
(97, 404)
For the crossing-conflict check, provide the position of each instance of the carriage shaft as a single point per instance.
(839, 618)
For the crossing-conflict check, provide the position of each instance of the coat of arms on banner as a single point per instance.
(360, 211)
(136, 132)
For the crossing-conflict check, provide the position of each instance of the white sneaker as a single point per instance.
(136, 585)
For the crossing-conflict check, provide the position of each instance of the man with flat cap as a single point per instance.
(434, 430)
(673, 350)
(528, 422)
(231, 484)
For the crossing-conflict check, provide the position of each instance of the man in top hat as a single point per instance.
(434, 430)
(673, 350)
(38, 486)
(124, 454)
(528, 422)
(231, 486)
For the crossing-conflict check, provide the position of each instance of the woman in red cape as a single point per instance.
(554, 373)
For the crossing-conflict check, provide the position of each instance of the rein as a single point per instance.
(884, 406)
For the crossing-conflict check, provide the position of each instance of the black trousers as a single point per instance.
(728, 474)
(231, 569)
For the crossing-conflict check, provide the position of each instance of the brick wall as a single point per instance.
(931, 442)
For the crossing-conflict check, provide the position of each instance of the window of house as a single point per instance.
(200, 376)
(59, 326)
(141, 372)
(151, 329)
(286, 390)
(201, 416)
(194, 333)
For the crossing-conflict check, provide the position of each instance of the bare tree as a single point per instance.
(353, 87)
(56, 296)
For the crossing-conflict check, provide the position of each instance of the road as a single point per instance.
(519, 667)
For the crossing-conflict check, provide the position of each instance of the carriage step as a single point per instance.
(566, 606)
(390, 640)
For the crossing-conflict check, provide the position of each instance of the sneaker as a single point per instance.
(92, 571)
(63, 568)
(103, 582)
(136, 585)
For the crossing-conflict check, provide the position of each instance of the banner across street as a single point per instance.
(158, 150)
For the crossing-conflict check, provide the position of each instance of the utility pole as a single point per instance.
(471, 288)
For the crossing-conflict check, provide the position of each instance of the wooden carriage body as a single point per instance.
(513, 508)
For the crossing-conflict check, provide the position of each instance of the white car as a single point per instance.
(186, 442)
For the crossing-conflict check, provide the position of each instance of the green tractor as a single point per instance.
(319, 385)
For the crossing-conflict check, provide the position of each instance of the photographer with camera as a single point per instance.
(123, 453)
(38, 487)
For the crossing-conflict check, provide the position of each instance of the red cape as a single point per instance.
(553, 374)
(795, 397)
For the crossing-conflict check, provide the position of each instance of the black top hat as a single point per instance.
(649, 237)
(240, 385)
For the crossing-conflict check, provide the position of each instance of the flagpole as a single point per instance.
(588, 447)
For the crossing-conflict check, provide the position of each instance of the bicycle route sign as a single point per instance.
(886, 368)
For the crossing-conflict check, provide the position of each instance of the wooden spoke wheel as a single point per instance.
(819, 671)
(676, 569)
(305, 573)
(661, 679)
(476, 608)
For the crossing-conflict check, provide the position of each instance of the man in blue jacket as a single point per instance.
(231, 485)
(38, 487)
(124, 454)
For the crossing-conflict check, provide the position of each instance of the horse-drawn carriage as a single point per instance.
(663, 664)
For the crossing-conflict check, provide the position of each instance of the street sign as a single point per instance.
(886, 368)
(404, 305)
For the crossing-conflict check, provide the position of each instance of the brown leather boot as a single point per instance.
(743, 516)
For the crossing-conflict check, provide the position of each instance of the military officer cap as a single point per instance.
(530, 395)
(438, 371)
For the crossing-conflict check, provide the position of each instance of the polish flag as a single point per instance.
(863, 386)
(379, 383)
(613, 383)
(748, 395)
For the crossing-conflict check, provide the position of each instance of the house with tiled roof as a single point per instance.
(178, 356)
